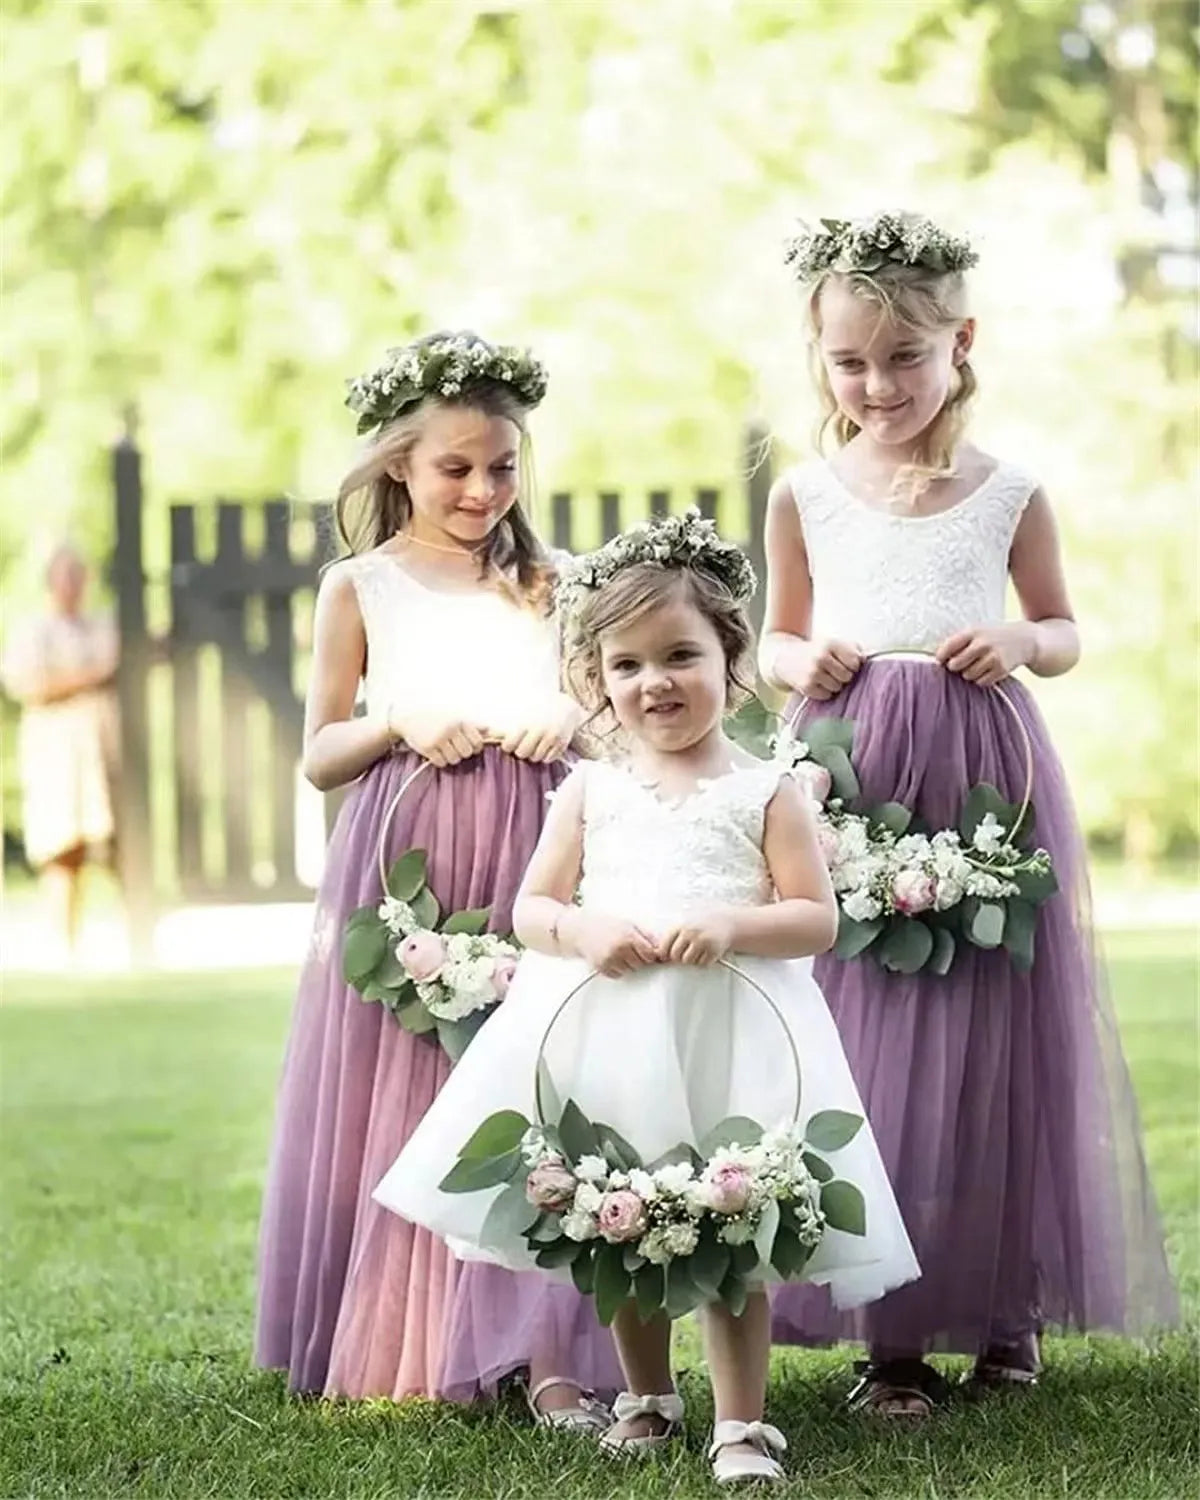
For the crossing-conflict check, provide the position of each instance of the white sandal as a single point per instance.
(668, 1407)
(587, 1416)
(760, 1466)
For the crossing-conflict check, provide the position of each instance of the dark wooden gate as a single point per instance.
(212, 703)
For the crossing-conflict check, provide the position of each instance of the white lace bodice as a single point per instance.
(477, 654)
(653, 861)
(893, 582)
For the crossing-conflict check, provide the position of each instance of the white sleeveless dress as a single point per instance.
(665, 1054)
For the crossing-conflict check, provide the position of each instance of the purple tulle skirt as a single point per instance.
(352, 1300)
(1000, 1099)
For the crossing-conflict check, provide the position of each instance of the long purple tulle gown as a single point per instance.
(1000, 1099)
(352, 1300)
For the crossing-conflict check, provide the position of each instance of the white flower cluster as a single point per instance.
(867, 245)
(660, 1213)
(442, 365)
(456, 973)
(686, 541)
(878, 873)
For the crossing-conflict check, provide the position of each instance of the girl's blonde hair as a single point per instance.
(373, 506)
(636, 591)
(922, 299)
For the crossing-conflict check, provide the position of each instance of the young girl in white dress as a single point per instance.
(651, 869)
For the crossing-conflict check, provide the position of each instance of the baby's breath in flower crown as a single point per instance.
(687, 541)
(445, 366)
(867, 245)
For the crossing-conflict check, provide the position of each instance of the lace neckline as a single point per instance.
(859, 503)
(704, 784)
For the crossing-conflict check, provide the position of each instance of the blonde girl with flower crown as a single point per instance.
(654, 866)
(442, 613)
(987, 1053)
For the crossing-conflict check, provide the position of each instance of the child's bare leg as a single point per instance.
(644, 1350)
(738, 1351)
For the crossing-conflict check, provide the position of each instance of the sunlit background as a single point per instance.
(217, 210)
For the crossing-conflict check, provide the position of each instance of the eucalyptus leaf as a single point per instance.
(415, 1018)
(509, 1217)
(828, 733)
(768, 1227)
(1036, 886)
(906, 946)
(986, 929)
(894, 816)
(710, 1264)
(745, 1259)
(546, 1229)
(843, 1207)
(457, 1036)
(583, 1274)
(615, 1149)
(683, 1295)
(789, 1255)
(735, 1293)
(737, 1130)
(650, 1290)
(845, 782)
(561, 1253)
(831, 1129)
(578, 1134)
(473, 921)
(390, 972)
(499, 1133)
(944, 949)
(855, 937)
(1020, 927)
(613, 1282)
(425, 908)
(363, 947)
(551, 1103)
(818, 1166)
(407, 875)
(470, 1174)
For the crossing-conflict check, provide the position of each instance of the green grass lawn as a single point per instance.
(135, 1123)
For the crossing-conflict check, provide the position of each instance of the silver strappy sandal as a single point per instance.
(587, 1417)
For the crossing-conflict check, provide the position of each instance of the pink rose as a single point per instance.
(502, 972)
(422, 956)
(551, 1186)
(913, 892)
(727, 1188)
(622, 1217)
(814, 780)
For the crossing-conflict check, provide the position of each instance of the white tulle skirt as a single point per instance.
(662, 1056)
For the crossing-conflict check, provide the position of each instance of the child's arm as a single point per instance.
(338, 747)
(1047, 639)
(802, 922)
(544, 918)
(787, 658)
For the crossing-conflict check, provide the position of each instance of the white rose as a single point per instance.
(592, 1169)
(989, 836)
(587, 1196)
(737, 1232)
(861, 906)
(643, 1185)
(949, 893)
(675, 1177)
(579, 1226)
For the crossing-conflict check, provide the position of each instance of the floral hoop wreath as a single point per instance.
(907, 894)
(701, 1224)
(847, 246)
(439, 975)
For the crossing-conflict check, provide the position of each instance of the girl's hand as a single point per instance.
(987, 654)
(612, 946)
(703, 941)
(440, 740)
(550, 739)
(826, 667)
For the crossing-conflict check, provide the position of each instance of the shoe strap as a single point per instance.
(668, 1406)
(549, 1383)
(760, 1435)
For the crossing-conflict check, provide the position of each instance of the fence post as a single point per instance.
(134, 849)
(756, 465)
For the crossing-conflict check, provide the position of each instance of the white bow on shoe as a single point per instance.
(627, 1406)
(746, 1468)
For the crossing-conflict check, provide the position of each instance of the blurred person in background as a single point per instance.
(60, 667)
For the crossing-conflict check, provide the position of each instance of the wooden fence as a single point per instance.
(212, 701)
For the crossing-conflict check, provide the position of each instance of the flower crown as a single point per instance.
(445, 365)
(867, 245)
(687, 541)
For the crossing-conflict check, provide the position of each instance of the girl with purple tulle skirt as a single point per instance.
(442, 612)
(997, 1090)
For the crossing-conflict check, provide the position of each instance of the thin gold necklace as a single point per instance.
(407, 536)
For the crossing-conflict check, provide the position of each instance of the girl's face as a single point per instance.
(889, 378)
(461, 475)
(665, 676)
